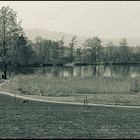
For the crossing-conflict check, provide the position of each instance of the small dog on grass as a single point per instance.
(25, 101)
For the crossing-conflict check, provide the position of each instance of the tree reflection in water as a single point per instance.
(83, 71)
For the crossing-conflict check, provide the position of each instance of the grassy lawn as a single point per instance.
(47, 120)
(117, 99)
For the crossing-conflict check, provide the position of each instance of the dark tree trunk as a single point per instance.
(5, 71)
(5, 51)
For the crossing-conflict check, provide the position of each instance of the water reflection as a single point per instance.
(89, 71)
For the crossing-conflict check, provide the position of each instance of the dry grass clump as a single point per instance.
(39, 85)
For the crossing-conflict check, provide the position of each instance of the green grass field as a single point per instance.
(47, 120)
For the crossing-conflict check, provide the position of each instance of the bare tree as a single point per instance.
(61, 47)
(94, 47)
(123, 43)
(72, 45)
(124, 50)
(110, 48)
(10, 29)
(78, 55)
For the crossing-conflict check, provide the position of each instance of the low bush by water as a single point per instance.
(65, 86)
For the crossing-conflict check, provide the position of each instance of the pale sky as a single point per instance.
(109, 19)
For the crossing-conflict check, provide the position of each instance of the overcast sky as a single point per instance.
(109, 19)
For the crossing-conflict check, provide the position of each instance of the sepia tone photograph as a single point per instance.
(70, 69)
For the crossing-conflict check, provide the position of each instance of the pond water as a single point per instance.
(89, 71)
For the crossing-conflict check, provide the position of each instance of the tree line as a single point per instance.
(17, 51)
(92, 52)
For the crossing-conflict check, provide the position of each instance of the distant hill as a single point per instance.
(33, 33)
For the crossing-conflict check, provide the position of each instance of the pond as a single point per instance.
(89, 71)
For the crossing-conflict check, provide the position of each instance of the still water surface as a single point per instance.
(89, 71)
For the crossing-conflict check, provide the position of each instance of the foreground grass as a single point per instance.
(46, 120)
(110, 99)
